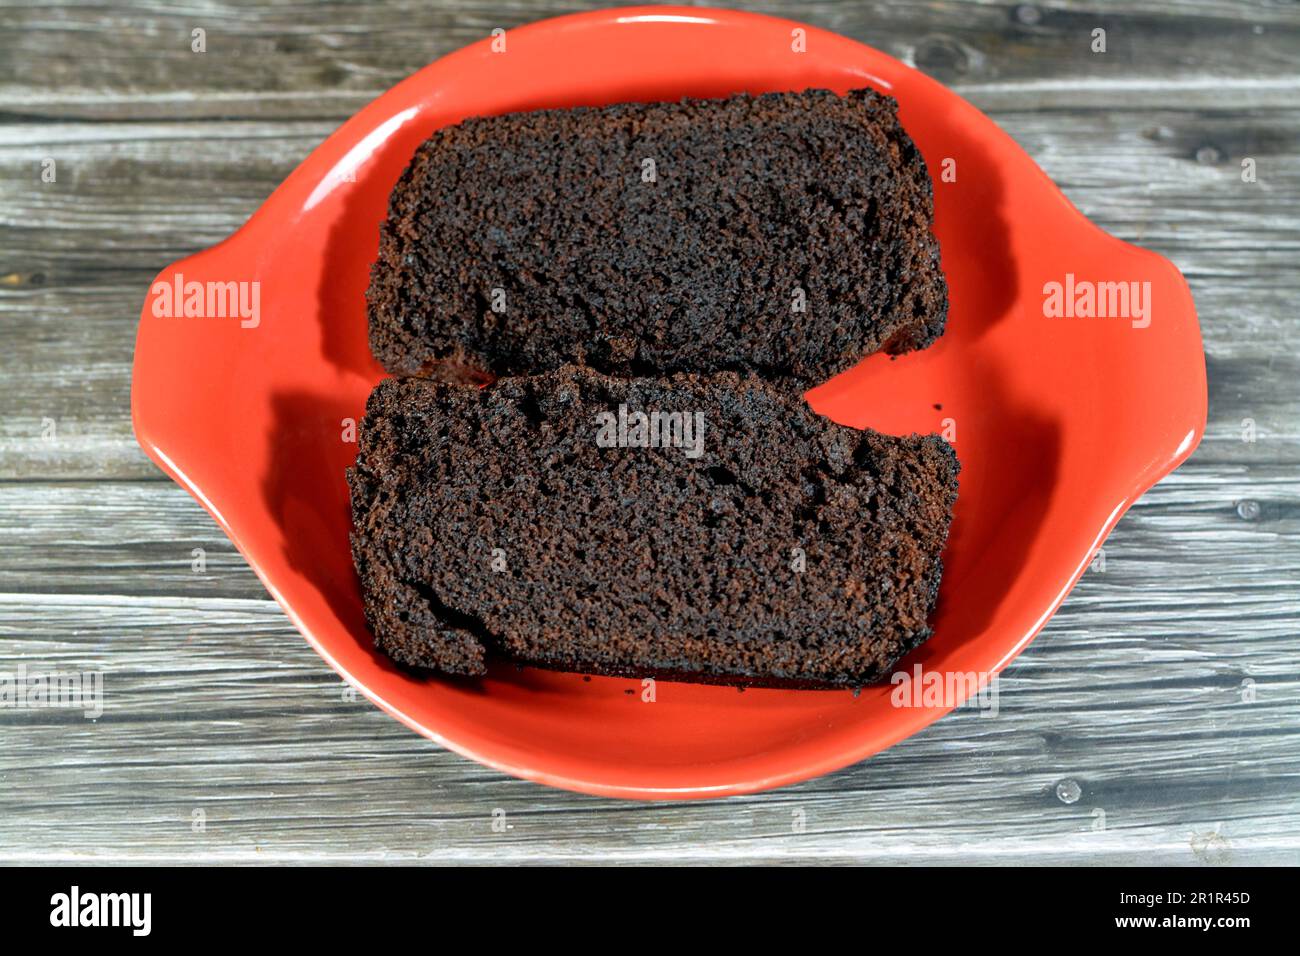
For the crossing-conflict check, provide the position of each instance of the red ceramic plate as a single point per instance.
(1060, 422)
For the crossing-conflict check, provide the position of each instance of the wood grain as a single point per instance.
(271, 60)
(1134, 692)
(77, 255)
(215, 703)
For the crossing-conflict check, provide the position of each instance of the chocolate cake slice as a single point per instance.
(707, 527)
(786, 234)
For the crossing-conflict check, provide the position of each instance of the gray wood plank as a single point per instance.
(76, 256)
(1231, 532)
(214, 703)
(288, 59)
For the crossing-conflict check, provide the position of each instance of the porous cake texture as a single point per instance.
(710, 527)
(785, 234)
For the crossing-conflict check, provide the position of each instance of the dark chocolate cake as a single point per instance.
(785, 234)
(702, 526)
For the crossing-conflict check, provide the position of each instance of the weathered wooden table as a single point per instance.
(1163, 700)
